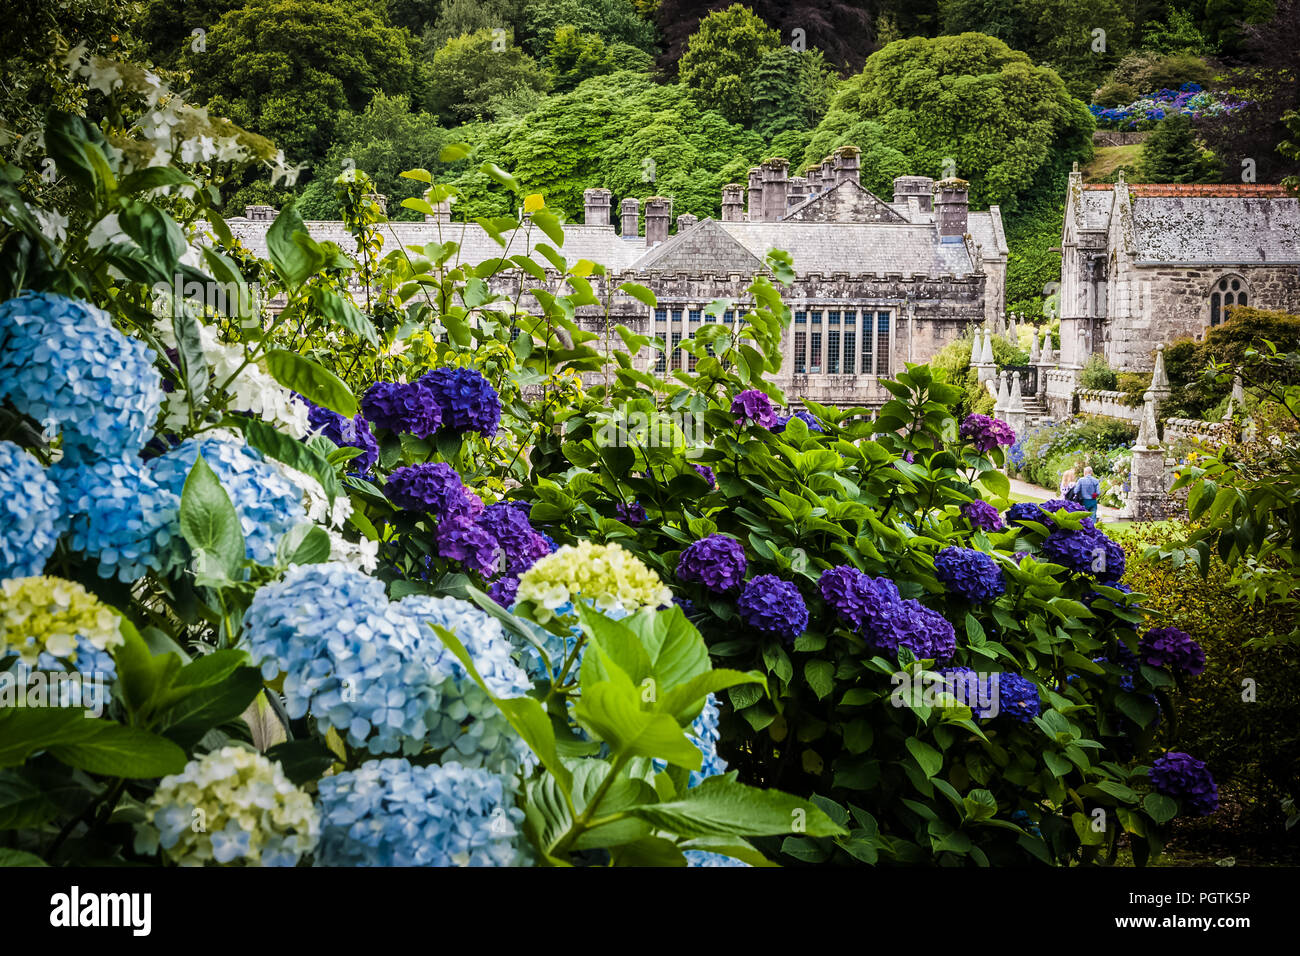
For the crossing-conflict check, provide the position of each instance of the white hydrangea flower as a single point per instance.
(362, 555)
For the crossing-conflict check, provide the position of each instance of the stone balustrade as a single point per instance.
(1110, 404)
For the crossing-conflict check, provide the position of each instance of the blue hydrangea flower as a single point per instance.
(390, 813)
(1017, 697)
(774, 607)
(808, 418)
(705, 735)
(986, 433)
(63, 363)
(1086, 552)
(696, 858)
(925, 632)
(858, 599)
(469, 402)
(267, 503)
(31, 514)
(403, 407)
(717, 562)
(118, 514)
(1185, 778)
(972, 689)
(970, 574)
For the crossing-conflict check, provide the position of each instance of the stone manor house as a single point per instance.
(879, 283)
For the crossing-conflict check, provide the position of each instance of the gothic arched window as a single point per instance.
(1227, 292)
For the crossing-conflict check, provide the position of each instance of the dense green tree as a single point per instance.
(285, 68)
(968, 99)
(1178, 34)
(1081, 40)
(459, 17)
(167, 27)
(575, 57)
(791, 90)
(721, 58)
(1223, 20)
(614, 21)
(384, 140)
(469, 70)
(1172, 155)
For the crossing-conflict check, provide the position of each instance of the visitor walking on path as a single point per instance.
(1068, 478)
(1089, 491)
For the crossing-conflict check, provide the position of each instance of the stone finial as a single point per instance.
(1148, 432)
(1048, 358)
(1033, 347)
(1074, 168)
(1016, 400)
(1000, 406)
(975, 348)
(986, 353)
(1159, 378)
(1238, 392)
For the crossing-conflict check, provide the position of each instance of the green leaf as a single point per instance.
(980, 805)
(929, 759)
(207, 705)
(19, 858)
(314, 382)
(614, 714)
(142, 676)
(22, 803)
(208, 520)
(820, 675)
(1160, 808)
(721, 807)
(194, 364)
(295, 254)
(302, 760)
(685, 701)
(343, 314)
(304, 543)
(117, 751)
(298, 456)
(549, 223)
(642, 294)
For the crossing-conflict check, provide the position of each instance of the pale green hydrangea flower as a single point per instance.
(47, 615)
(605, 574)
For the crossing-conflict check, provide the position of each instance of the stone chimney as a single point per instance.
(595, 206)
(847, 164)
(733, 202)
(631, 210)
(776, 185)
(813, 176)
(799, 192)
(755, 194)
(828, 172)
(951, 208)
(380, 200)
(658, 216)
(685, 221)
(918, 187)
(260, 213)
(441, 210)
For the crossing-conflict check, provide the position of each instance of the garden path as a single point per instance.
(1025, 490)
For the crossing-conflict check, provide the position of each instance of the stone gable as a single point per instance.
(844, 202)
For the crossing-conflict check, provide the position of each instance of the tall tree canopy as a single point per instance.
(721, 57)
(971, 101)
(285, 68)
(470, 70)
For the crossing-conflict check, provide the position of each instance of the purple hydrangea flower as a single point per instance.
(717, 562)
(685, 603)
(1086, 552)
(1169, 647)
(971, 688)
(403, 407)
(509, 526)
(970, 574)
(1017, 697)
(705, 472)
(753, 407)
(503, 590)
(927, 633)
(434, 487)
(860, 600)
(1185, 778)
(1023, 511)
(469, 402)
(774, 607)
(1056, 504)
(808, 418)
(983, 515)
(346, 433)
(460, 539)
(986, 433)
(633, 514)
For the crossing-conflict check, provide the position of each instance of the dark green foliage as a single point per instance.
(614, 21)
(1171, 154)
(469, 71)
(1098, 374)
(791, 91)
(721, 60)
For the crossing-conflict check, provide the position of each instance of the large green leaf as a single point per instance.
(117, 751)
(298, 456)
(208, 705)
(342, 313)
(720, 807)
(209, 522)
(614, 714)
(295, 254)
(312, 381)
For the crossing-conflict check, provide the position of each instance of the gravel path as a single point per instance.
(1026, 490)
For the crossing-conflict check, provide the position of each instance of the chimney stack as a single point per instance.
(259, 213)
(775, 186)
(918, 186)
(733, 202)
(799, 191)
(631, 218)
(685, 221)
(755, 194)
(380, 200)
(846, 164)
(595, 206)
(828, 172)
(658, 216)
(951, 206)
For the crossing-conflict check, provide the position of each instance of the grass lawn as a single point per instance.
(1107, 159)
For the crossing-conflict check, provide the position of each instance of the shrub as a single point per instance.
(1098, 374)
(1051, 449)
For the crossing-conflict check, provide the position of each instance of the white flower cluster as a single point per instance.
(230, 806)
(362, 555)
(251, 389)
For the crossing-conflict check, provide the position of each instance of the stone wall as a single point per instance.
(1058, 395)
(1096, 401)
(1212, 433)
(1115, 137)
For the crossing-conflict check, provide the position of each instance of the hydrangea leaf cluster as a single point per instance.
(403, 407)
(970, 574)
(117, 514)
(1187, 780)
(391, 813)
(752, 407)
(1173, 649)
(31, 513)
(608, 576)
(66, 365)
(267, 503)
(468, 401)
(718, 562)
(986, 433)
(47, 621)
(774, 607)
(251, 814)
